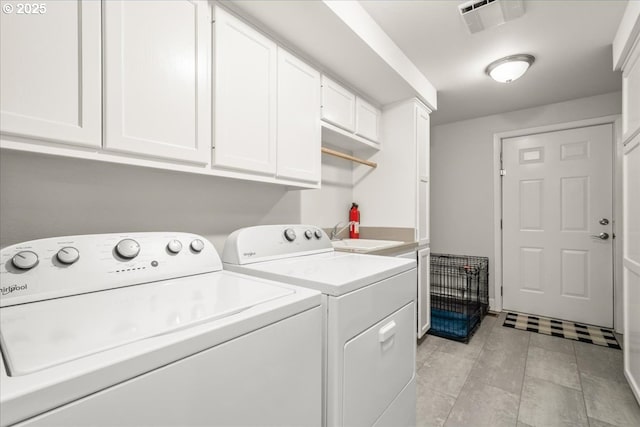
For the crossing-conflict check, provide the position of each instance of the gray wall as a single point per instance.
(462, 171)
(44, 196)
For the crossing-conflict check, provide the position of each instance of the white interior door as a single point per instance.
(557, 197)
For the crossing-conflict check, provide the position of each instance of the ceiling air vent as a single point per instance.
(483, 14)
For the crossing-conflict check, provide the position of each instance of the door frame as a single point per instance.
(615, 120)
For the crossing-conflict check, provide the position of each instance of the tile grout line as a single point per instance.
(475, 361)
(524, 377)
(584, 399)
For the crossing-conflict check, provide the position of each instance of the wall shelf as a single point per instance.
(340, 138)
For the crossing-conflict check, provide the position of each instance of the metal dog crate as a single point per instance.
(459, 295)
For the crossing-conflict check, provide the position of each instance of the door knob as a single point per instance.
(604, 221)
(601, 236)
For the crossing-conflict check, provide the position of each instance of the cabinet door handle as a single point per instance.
(387, 331)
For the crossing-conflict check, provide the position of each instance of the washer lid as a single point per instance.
(43, 334)
(332, 273)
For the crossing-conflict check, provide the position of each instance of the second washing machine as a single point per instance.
(368, 302)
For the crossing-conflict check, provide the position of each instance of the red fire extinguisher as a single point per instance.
(354, 222)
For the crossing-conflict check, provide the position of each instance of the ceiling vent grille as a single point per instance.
(482, 14)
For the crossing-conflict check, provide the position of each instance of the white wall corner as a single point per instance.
(626, 34)
(362, 24)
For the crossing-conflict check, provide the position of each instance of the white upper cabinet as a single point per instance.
(245, 97)
(350, 122)
(338, 105)
(367, 120)
(50, 73)
(630, 91)
(298, 152)
(626, 49)
(396, 193)
(422, 141)
(156, 76)
(422, 147)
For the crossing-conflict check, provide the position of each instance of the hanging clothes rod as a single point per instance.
(335, 153)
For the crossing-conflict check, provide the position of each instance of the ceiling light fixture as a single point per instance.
(509, 68)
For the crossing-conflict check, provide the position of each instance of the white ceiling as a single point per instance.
(571, 41)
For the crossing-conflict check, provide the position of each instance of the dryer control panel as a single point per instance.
(269, 242)
(64, 266)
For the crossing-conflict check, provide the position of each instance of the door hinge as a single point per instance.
(503, 172)
(500, 224)
(501, 291)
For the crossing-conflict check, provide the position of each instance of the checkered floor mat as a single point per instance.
(562, 328)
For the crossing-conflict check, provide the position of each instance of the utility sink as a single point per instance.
(364, 245)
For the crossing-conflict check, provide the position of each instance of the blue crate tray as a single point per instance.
(450, 323)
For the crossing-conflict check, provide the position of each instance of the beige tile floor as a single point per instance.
(508, 377)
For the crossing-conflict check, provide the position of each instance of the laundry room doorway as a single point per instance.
(557, 223)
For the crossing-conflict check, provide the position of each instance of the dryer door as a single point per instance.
(378, 364)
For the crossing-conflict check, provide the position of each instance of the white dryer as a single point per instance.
(369, 318)
(146, 329)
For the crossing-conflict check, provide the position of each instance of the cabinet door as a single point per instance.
(422, 141)
(631, 262)
(378, 364)
(630, 91)
(338, 105)
(50, 73)
(424, 291)
(298, 152)
(367, 120)
(157, 85)
(245, 97)
(423, 211)
(422, 147)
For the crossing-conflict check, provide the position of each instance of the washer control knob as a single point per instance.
(174, 246)
(318, 234)
(197, 245)
(290, 234)
(68, 255)
(128, 248)
(308, 234)
(25, 260)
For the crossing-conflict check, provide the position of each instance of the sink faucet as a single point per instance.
(335, 232)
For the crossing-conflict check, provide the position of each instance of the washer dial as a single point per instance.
(25, 260)
(318, 234)
(68, 255)
(197, 245)
(128, 248)
(290, 234)
(308, 234)
(174, 246)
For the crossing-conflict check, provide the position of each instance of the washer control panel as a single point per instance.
(268, 242)
(65, 266)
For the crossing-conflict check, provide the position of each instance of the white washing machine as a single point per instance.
(145, 329)
(369, 318)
